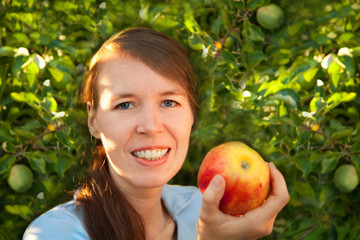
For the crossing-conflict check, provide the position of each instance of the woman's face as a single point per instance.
(144, 122)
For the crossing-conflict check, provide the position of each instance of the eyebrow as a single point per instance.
(167, 93)
(125, 95)
(173, 92)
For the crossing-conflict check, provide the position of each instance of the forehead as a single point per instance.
(128, 74)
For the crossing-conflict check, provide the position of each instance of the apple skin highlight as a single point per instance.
(246, 174)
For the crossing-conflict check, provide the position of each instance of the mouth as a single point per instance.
(151, 154)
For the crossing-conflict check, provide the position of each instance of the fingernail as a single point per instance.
(216, 181)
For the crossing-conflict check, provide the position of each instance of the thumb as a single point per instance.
(213, 194)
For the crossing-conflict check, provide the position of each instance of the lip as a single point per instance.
(151, 148)
(153, 163)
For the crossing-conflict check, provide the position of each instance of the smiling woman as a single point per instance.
(132, 117)
(131, 78)
(141, 99)
(140, 95)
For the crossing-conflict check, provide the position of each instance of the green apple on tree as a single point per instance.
(20, 178)
(270, 16)
(346, 178)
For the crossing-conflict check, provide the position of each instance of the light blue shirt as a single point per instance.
(64, 221)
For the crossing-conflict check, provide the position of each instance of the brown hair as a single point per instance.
(108, 215)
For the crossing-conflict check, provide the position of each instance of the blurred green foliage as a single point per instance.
(292, 93)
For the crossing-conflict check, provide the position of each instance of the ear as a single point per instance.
(92, 124)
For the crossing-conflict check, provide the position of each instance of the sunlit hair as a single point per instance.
(107, 213)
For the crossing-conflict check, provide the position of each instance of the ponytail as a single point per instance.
(107, 214)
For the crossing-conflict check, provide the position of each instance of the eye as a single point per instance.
(169, 103)
(124, 106)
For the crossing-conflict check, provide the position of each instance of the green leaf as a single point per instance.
(329, 162)
(253, 4)
(60, 78)
(304, 189)
(36, 161)
(166, 22)
(295, 27)
(8, 147)
(32, 72)
(195, 42)
(57, 74)
(215, 26)
(342, 230)
(22, 210)
(6, 161)
(355, 51)
(62, 138)
(190, 22)
(288, 96)
(17, 65)
(6, 134)
(335, 71)
(310, 74)
(224, 13)
(271, 87)
(23, 133)
(106, 27)
(49, 103)
(356, 161)
(317, 104)
(254, 58)
(63, 163)
(229, 58)
(7, 51)
(304, 139)
(303, 163)
(240, 5)
(349, 65)
(32, 125)
(339, 97)
(343, 133)
(327, 194)
(254, 32)
(306, 84)
(27, 97)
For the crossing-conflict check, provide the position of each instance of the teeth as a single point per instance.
(151, 155)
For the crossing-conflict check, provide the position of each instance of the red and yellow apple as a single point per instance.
(246, 174)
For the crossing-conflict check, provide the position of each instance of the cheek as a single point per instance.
(111, 132)
(108, 143)
(189, 122)
(183, 128)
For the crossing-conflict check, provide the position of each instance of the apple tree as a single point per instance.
(285, 81)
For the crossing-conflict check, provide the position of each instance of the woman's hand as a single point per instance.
(214, 224)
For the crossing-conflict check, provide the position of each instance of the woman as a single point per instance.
(141, 101)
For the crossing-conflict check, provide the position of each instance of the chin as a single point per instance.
(154, 181)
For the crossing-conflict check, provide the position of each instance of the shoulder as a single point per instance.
(182, 198)
(183, 203)
(184, 192)
(61, 222)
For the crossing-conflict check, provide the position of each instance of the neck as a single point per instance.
(147, 202)
(157, 221)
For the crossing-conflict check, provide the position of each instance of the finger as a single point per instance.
(212, 196)
(279, 195)
(277, 199)
(278, 184)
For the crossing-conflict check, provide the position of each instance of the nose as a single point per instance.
(150, 122)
